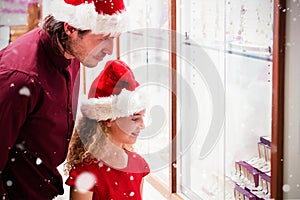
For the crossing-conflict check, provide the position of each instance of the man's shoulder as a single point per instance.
(21, 55)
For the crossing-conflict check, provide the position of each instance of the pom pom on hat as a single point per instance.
(115, 76)
(100, 16)
(114, 94)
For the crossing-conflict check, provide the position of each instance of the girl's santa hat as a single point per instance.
(114, 93)
(100, 16)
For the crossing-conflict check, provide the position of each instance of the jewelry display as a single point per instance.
(250, 28)
(252, 177)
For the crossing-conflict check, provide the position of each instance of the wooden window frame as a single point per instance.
(278, 60)
(278, 63)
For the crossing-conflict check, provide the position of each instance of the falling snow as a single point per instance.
(9, 183)
(20, 146)
(100, 164)
(24, 91)
(286, 188)
(85, 181)
(131, 194)
(38, 161)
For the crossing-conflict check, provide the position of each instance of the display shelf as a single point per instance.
(252, 178)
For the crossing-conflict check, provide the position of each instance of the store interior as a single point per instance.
(224, 119)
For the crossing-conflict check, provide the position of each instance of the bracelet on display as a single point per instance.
(241, 193)
(261, 150)
(266, 140)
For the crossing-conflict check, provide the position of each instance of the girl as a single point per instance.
(100, 162)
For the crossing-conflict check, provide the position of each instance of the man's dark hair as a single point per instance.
(55, 29)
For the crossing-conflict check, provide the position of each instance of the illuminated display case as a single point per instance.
(223, 88)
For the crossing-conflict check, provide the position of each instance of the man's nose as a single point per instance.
(109, 47)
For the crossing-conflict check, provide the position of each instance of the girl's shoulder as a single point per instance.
(136, 163)
(86, 166)
(135, 156)
(86, 170)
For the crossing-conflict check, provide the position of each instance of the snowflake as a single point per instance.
(85, 181)
(100, 164)
(131, 194)
(9, 183)
(38, 161)
(24, 91)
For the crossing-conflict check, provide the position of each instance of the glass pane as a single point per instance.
(148, 14)
(234, 38)
(249, 38)
(202, 162)
(146, 49)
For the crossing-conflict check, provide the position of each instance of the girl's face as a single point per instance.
(125, 130)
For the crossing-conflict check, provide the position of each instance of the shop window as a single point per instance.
(224, 58)
(18, 17)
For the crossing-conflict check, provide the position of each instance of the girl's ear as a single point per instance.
(108, 123)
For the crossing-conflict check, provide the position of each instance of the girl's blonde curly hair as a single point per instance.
(88, 140)
(81, 139)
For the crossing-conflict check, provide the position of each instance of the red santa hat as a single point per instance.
(114, 93)
(100, 16)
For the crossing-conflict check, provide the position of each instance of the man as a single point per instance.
(39, 92)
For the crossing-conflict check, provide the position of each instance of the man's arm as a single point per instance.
(15, 100)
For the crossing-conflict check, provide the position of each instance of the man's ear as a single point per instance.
(69, 29)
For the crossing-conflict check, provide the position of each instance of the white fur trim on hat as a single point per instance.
(85, 17)
(125, 104)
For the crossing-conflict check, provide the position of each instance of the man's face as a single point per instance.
(90, 48)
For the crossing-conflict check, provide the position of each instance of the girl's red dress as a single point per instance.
(114, 184)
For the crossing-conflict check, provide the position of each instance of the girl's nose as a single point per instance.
(141, 124)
